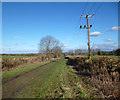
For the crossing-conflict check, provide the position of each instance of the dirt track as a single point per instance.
(16, 84)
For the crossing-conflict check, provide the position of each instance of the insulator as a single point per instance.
(90, 25)
(80, 26)
(84, 26)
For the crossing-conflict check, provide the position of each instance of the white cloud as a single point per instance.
(95, 33)
(108, 40)
(65, 45)
(16, 37)
(115, 28)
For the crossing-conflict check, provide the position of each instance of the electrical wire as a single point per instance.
(98, 8)
(92, 7)
(85, 8)
(82, 19)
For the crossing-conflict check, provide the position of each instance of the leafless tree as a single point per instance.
(49, 45)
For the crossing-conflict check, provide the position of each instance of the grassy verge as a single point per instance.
(20, 70)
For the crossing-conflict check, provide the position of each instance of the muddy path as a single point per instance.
(16, 84)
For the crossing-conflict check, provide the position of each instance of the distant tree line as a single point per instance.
(114, 52)
(94, 52)
(74, 52)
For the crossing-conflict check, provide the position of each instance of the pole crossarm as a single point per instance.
(86, 15)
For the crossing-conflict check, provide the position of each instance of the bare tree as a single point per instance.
(49, 45)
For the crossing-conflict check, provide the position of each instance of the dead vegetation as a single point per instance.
(102, 75)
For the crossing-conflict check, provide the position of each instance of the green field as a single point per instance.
(11, 57)
(107, 56)
(43, 80)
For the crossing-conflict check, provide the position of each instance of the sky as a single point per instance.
(24, 24)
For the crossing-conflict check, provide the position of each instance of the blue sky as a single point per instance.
(25, 23)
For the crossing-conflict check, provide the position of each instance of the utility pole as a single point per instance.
(88, 28)
(88, 36)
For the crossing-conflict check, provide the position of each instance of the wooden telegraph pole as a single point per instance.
(88, 36)
(88, 28)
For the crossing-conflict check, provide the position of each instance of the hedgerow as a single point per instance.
(8, 64)
(103, 74)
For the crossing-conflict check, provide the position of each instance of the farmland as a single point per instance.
(51, 79)
(108, 56)
(72, 77)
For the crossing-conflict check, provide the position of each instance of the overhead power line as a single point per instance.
(84, 10)
(92, 7)
(98, 8)
(85, 7)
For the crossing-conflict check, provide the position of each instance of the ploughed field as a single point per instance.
(69, 77)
